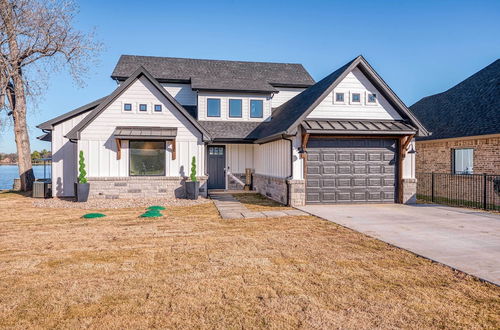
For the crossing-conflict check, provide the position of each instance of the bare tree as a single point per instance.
(36, 39)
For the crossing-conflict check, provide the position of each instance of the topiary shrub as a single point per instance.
(82, 176)
(193, 169)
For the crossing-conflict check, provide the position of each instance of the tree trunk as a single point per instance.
(21, 135)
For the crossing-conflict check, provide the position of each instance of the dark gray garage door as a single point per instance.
(351, 170)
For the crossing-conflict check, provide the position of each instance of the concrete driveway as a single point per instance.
(464, 239)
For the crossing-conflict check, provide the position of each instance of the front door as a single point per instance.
(216, 167)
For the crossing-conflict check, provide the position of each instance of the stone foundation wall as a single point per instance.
(271, 187)
(409, 191)
(297, 193)
(141, 187)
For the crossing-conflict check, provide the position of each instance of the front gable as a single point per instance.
(354, 82)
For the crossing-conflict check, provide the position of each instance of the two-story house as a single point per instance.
(342, 139)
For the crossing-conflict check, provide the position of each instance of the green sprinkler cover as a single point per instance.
(151, 214)
(156, 207)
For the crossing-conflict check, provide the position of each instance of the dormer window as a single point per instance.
(356, 98)
(256, 109)
(372, 98)
(127, 107)
(339, 97)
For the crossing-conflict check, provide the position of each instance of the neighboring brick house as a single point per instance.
(465, 126)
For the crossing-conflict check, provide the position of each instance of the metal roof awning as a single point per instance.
(357, 127)
(145, 133)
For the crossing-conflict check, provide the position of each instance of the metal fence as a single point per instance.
(465, 190)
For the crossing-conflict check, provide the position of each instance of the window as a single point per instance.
(216, 151)
(372, 98)
(147, 158)
(157, 107)
(143, 107)
(213, 107)
(235, 108)
(127, 107)
(339, 97)
(463, 161)
(256, 108)
(355, 97)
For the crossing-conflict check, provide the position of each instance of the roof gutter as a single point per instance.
(274, 137)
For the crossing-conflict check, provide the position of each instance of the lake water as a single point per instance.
(9, 172)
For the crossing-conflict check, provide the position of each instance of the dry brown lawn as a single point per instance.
(191, 269)
(257, 202)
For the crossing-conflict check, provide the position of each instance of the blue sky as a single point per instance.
(418, 47)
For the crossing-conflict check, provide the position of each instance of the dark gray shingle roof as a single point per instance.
(470, 108)
(229, 130)
(216, 74)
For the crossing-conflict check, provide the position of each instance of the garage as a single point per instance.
(351, 170)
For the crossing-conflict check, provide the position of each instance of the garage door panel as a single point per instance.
(351, 170)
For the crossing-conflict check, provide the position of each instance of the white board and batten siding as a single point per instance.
(224, 106)
(64, 158)
(283, 95)
(100, 148)
(182, 93)
(355, 82)
(239, 157)
(273, 159)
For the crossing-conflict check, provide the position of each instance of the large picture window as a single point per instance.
(256, 109)
(147, 158)
(463, 161)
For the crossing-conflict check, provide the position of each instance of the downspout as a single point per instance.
(291, 171)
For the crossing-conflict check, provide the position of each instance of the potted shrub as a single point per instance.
(82, 187)
(193, 186)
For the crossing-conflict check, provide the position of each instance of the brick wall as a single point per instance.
(435, 156)
(141, 187)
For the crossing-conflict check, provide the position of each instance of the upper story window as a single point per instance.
(127, 107)
(256, 109)
(372, 98)
(339, 97)
(158, 108)
(143, 107)
(355, 97)
(235, 108)
(463, 161)
(213, 107)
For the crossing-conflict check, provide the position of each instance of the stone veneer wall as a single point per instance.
(141, 187)
(409, 191)
(435, 155)
(297, 193)
(232, 184)
(272, 187)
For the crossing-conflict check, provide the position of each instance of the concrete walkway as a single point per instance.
(230, 208)
(464, 239)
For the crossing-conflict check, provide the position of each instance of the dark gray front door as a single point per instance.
(351, 170)
(216, 165)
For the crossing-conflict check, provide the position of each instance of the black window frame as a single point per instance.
(145, 105)
(125, 105)
(250, 109)
(129, 158)
(157, 105)
(214, 99)
(241, 108)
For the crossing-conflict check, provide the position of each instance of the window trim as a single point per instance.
(453, 160)
(141, 104)
(131, 107)
(220, 106)
(229, 108)
(351, 95)
(130, 158)
(335, 101)
(367, 98)
(250, 108)
(157, 111)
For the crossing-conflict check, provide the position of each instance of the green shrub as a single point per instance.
(82, 176)
(193, 169)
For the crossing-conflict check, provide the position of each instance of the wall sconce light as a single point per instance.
(302, 151)
(412, 151)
